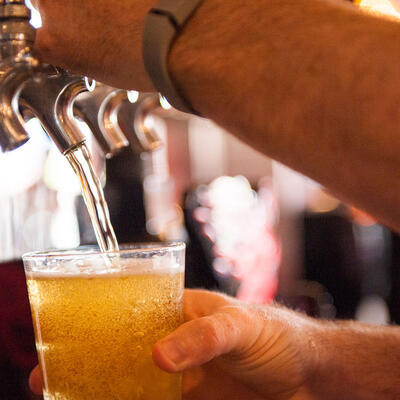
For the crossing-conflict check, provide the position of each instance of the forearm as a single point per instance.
(356, 362)
(312, 83)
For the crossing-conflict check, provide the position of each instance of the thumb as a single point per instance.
(230, 330)
(35, 381)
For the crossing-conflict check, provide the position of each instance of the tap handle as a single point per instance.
(14, 9)
(15, 26)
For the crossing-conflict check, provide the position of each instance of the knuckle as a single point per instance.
(210, 331)
(238, 313)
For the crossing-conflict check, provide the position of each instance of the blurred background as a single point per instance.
(254, 229)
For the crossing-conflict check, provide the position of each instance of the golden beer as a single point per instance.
(95, 332)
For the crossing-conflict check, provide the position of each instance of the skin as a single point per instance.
(108, 54)
(323, 78)
(213, 333)
(269, 352)
(312, 83)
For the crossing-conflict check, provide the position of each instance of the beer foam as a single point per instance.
(106, 267)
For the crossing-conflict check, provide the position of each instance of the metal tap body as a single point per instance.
(50, 97)
(99, 111)
(116, 122)
(16, 66)
(29, 88)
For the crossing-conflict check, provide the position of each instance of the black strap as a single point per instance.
(163, 24)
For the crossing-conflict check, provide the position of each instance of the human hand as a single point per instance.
(231, 350)
(97, 38)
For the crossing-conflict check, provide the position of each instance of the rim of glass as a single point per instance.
(93, 250)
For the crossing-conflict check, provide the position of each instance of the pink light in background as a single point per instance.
(240, 223)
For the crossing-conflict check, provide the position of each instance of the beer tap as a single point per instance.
(117, 120)
(133, 121)
(98, 109)
(50, 97)
(17, 65)
(29, 88)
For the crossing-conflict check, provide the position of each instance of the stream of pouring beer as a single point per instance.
(92, 192)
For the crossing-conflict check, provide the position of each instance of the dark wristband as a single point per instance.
(163, 24)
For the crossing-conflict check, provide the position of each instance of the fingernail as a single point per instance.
(173, 351)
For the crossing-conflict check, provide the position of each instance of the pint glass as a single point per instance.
(97, 316)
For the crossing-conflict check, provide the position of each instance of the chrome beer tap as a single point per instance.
(29, 88)
(117, 120)
(50, 97)
(132, 120)
(17, 65)
(98, 109)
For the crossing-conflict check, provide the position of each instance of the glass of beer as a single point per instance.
(97, 316)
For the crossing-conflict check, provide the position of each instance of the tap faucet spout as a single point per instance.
(28, 85)
(132, 119)
(50, 97)
(12, 131)
(16, 66)
(96, 109)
